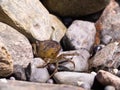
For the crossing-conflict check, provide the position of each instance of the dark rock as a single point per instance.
(74, 8)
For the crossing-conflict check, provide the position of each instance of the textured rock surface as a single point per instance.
(107, 78)
(15, 85)
(109, 57)
(74, 8)
(38, 74)
(6, 62)
(80, 60)
(28, 17)
(74, 78)
(109, 22)
(80, 34)
(17, 44)
(58, 27)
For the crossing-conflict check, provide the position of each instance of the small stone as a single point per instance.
(50, 81)
(109, 88)
(12, 78)
(40, 75)
(115, 71)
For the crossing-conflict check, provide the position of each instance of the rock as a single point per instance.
(74, 78)
(108, 57)
(6, 62)
(80, 61)
(14, 85)
(107, 78)
(74, 8)
(31, 19)
(109, 23)
(17, 44)
(40, 75)
(58, 27)
(80, 34)
(19, 72)
(109, 88)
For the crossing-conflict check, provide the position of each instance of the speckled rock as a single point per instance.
(108, 57)
(109, 22)
(17, 44)
(6, 62)
(74, 8)
(81, 34)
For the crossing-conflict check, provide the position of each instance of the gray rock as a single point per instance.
(6, 62)
(81, 34)
(38, 74)
(30, 18)
(108, 57)
(74, 8)
(19, 72)
(109, 23)
(74, 78)
(17, 44)
(80, 60)
(15, 85)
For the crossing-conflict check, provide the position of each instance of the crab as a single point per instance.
(49, 50)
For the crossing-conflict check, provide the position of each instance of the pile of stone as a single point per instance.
(89, 28)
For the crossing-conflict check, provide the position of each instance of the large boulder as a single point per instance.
(17, 44)
(74, 7)
(28, 17)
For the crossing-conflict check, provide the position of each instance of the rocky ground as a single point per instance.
(60, 44)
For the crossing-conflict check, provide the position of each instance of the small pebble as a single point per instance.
(50, 81)
(115, 71)
(12, 78)
(94, 73)
(109, 88)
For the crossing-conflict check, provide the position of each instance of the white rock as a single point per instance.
(72, 78)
